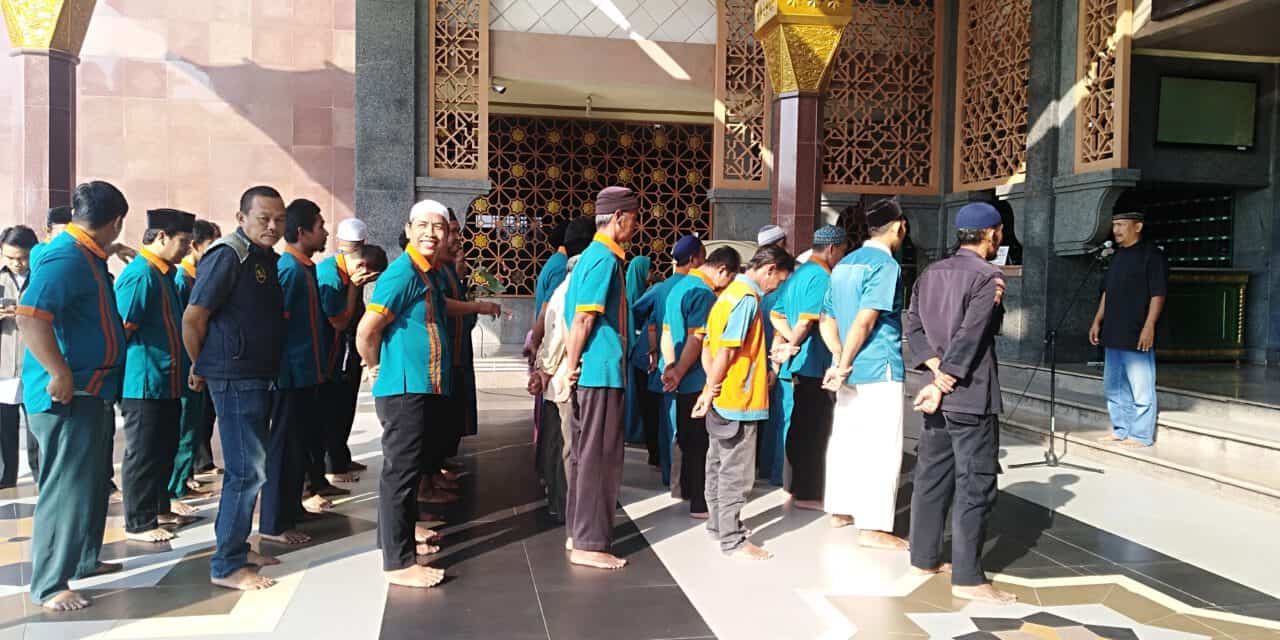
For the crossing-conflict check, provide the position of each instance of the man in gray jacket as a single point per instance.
(15, 268)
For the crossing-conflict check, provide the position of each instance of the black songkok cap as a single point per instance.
(1129, 215)
(58, 215)
(171, 220)
(883, 212)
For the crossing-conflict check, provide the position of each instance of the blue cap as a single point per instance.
(686, 248)
(978, 215)
(829, 235)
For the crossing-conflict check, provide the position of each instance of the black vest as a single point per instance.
(246, 334)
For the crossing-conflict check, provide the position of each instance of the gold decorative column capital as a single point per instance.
(800, 38)
(57, 25)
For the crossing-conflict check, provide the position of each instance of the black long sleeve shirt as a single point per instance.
(954, 316)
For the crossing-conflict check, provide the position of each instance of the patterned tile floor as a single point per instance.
(1108, 557)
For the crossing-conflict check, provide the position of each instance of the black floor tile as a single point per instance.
(552, 571)
(1207, 586)
(648, 613)
(1269, 611)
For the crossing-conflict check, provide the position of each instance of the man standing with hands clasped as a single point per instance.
(1133, 295)
(951, 330)
(862, 327)
(596, 311)
(735, 400)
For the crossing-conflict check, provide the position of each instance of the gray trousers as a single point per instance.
(595, 467)
(731, 465)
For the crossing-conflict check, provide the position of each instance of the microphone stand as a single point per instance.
(1051, 458)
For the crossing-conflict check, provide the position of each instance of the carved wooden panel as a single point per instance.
(1102, 75)
(545, 170)
(883, 118)
(459, 92)
(993, 67)
(743, 100)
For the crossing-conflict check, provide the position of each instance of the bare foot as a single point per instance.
(181, 508)
(423, 534)
(942, 568)
(154, 535)
(175, 519)
(881, 540)
(439, 496)
(343, 478)
(984, 593)
(807, 505)
(417, 576)
(256, 559)
(426, 549)
(332, 491)
(568, 544)
(196, 487)
(117, 497)
(210, 473)
(317, 504)
(289, 537)
(696, 515)
(356, 466)
(442, 482)
(1133, 444)
(66, 601)
(244, 579)
(749, 551)
(103, 569)
(1110, 437)
(839, 521)
(596, 560)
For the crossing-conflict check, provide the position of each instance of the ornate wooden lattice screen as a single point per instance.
(742, 99)
(546, 170)
(993, 67)
(458, 82)
(883, 118)
(1102, 75)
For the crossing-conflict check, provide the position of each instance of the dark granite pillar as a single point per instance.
(797, 168)
(45, 132)
(386, 59)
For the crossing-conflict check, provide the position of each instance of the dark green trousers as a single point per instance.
(71, 513)
(190, 435)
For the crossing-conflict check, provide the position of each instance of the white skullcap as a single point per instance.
(426, 208)
(770, 234)
(352, 230)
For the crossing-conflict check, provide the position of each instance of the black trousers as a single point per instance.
(150, 443)
(204, 450)
(691, 433)
(10, 425)
(551, 459)
(807, 438)
(341, 396)
(956, 461)
(405, 444)
(292, 412)
(456, 425)
(317, 432)
(650, 407)
(595, 466)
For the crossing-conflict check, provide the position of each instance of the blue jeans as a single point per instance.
(1130, 382)
(244, 410)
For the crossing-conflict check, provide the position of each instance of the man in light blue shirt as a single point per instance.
(862, 327)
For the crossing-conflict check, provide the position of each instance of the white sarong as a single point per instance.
(864, 454)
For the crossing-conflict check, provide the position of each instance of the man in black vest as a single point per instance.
(233, 330)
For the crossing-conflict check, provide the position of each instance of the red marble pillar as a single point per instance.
(44, 113)
(797, 166)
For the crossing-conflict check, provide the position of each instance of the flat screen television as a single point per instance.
(1207, 112)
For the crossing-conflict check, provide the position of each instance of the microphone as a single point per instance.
(1103, 250)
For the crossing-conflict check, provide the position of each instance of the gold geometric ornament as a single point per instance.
(800, 39)
(58, 25)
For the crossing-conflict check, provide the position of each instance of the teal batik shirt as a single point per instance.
(156, 364)
(688, 305)
(596, 286)
(304, 362)
(71, 288)
(415, 343)
(801, 299)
